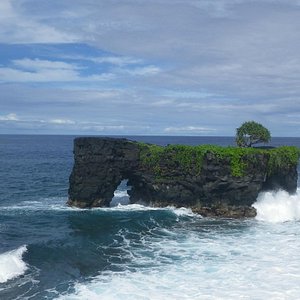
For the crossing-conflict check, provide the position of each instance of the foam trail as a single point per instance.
(11, 264)
(278, 206)
(182, 211)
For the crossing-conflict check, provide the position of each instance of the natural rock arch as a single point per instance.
(206, 179)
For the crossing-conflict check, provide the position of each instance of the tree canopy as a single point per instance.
(250, 133)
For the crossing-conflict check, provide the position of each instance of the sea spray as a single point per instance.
(11, 264)
(278, 206)
(192, 261)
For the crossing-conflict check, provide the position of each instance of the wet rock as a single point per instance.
(102, 163)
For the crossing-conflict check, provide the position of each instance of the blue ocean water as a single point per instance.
(51, 251)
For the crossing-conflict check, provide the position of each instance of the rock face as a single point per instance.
(102, 163)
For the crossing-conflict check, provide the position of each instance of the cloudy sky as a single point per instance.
(161, 67)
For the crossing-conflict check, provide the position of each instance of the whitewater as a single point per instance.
(51, 251)
(195, 258)
(220, 263)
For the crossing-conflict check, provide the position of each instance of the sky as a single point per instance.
(149, 67)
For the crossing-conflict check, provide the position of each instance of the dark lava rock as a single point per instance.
(102, 163)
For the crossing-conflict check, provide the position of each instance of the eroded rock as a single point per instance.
(208, 184)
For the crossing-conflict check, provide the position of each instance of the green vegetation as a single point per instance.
(251, 133)
(283, 156)
(190, 158)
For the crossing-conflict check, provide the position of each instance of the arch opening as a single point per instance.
(121, 195)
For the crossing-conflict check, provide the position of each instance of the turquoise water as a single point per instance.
(51, 251)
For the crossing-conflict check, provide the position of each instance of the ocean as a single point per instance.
(51, 251)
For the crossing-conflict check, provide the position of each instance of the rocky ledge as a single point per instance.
(212, 180)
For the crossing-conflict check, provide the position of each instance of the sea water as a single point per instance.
(51, 251)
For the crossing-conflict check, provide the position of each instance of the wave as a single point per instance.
(44, 204)
(278, 206)
(273, 206)
(182, 211)
(169, 266)
(11, 264)
(59, 204)
(120, 197)
(120, 194)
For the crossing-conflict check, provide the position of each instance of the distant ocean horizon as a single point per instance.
(165, 139)
(51, 251)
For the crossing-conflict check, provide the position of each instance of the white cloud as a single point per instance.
(105, 128)
(143, 71)
(163, 102)
(187, 94)
(62, 122)
(116, 60)
(17, 27)
(188, 129)
(244, 56)
(28, 120)
(45, 75)
(9, 117)
(119, 60)
(39, 64)
(36, 70)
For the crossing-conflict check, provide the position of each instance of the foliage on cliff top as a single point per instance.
(283, 156)
(191, 157)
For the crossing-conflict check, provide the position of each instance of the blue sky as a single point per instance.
(161, 67)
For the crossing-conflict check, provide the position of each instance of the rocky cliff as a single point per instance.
(212, 180)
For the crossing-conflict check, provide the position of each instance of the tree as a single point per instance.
(252, 133)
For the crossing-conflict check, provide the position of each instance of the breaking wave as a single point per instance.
(278, 206)
(11, 264)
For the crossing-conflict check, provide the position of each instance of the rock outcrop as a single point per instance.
(213, 181)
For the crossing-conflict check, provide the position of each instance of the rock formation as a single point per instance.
(212, 180)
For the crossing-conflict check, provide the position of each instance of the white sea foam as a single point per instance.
(183, 211)
(59, 204)
(11, 264)
(120, 197)
(44, 204)
(119, 194)
(278, 206)
(255, 262)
